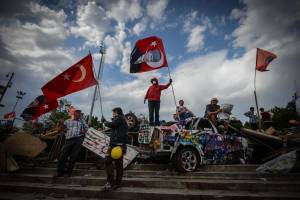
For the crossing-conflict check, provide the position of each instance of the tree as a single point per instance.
(282, 116)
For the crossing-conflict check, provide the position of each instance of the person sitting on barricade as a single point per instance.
(212, 110)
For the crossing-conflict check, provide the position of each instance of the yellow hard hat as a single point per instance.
(116, 152)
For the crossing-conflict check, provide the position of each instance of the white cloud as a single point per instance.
(267, 26)
(196, 27)
(156, 9)
(123, 10)
(195, 38)
(91, 23)
(140, 27)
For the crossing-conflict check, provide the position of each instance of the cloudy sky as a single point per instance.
(210, 46)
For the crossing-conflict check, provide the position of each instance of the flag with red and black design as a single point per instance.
(148, 54)
(38, 107)
(263, 59)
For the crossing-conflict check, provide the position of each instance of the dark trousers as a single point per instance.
(69, 153)
(154, 107)
(118, 165)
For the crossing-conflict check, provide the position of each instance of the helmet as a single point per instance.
(116, 153)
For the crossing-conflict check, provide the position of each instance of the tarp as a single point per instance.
(281, 164)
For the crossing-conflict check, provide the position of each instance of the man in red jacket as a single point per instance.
(153, 96)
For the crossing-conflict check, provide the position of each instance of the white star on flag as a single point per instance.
(153, 43)
(66, 76)
(46, 106)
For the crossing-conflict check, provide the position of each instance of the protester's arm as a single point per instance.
(163, 87)
(190, 111)
(210, 112)
(146, 96)
(247, 114)
(113, 124)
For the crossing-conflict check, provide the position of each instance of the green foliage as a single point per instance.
(282, 116)
(95, 123)
(236, 124)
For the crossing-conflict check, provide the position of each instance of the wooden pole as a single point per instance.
(255, 97)
(175, 102)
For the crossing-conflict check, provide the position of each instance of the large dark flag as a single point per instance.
(78, 77)
(38, 107)
(148, 54)
(263, 59)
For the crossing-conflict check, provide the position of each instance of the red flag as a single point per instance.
(10, 115)
(148, 54)
(39, 106)
(263, 58)
(76, 78)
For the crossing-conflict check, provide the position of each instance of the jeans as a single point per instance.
(118, 165)
(154, 107)
(70, 151)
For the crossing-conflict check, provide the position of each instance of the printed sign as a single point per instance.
(97, 142)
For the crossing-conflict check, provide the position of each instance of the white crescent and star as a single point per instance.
(67, 77)
(152, 64)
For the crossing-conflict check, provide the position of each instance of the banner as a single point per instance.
(97, 142)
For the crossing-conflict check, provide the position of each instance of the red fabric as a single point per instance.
(78, 77)
(265, 116)
(148, 54)
(263, 58)
(10, 115)
(44, 107)
(154, 92)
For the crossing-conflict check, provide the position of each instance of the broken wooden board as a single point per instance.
(261, 135)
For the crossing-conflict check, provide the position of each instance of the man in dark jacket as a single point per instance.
(153, 96)
(118, 137)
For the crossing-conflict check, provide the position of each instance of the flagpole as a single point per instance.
(102, 52)
(172, 88)
(255, 97)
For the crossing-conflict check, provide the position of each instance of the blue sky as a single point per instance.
(210, 48)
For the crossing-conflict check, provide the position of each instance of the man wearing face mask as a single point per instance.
(153, 97)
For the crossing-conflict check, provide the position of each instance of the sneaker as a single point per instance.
(107, 187)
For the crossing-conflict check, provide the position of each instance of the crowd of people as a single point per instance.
(75, 128)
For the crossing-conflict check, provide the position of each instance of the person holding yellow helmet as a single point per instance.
(116, 150)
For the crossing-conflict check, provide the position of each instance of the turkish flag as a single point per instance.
(78, 77)
(263, 58)
(148, 54)
(10, 115)
(38, 107)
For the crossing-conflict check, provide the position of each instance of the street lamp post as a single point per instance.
(8, 85)
(19, 96)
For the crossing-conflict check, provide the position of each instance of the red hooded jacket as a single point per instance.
(154, 91)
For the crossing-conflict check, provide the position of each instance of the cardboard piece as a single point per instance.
(24, 144)
(98, 142)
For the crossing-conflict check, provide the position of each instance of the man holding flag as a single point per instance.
(153, 96)
(147, 55)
